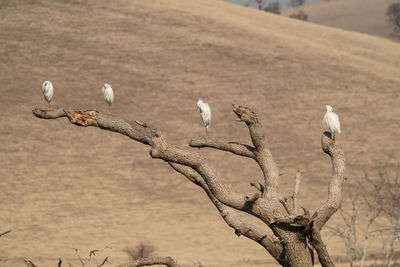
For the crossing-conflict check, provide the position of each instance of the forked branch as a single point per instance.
(260, 152)
(263, 155)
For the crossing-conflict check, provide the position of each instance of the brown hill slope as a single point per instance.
(65, 186)
(365, 16)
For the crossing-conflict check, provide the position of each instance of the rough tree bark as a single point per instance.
(294, 236)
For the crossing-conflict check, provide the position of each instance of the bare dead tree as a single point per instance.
(300, 15)
(356, 250)
(295, 3)
(393, 16)
(380, 199)
(273, 7)
(261, 4)
(293, 236)
(386, 195)
(264, 5)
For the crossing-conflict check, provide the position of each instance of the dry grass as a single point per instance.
(67, 186)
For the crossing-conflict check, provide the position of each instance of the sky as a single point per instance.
(283, 3)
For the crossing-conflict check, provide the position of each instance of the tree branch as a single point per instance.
(315, 240)
(332, 204)
(296, 192)
(233, 147)
(232, 218)
(284, 203)
(167, 261)
(262, 154)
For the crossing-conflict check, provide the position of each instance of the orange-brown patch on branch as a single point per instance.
(80, 118)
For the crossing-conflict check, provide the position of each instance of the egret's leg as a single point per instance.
(206, 133)
(333, 137)
(109, 110)
(49, 107)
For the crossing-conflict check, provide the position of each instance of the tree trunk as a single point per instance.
(297, 251)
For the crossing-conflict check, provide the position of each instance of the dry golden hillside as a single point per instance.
(64, 186)
(366, 16)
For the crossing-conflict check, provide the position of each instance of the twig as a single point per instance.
(4, 233)
(104, 261)
(83, 263)
(29, 263)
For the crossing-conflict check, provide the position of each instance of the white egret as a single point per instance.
(108, 95)
(48, 92)
(205, 113)
(331, 120)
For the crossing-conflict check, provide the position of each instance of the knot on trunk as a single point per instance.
(252, 197)
(301, 223)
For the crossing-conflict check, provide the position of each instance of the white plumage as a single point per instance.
(108, 94)
(331, 120)
(48, 91)
(205, 113)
